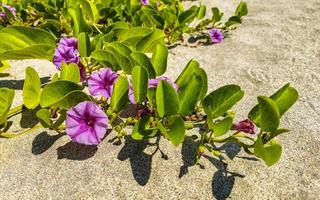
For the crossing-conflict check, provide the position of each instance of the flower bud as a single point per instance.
(245, 126)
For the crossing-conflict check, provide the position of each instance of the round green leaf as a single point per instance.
(84, 45)
(160, 59)
(270, 152)
(143, 60)
(17, 42)
(221, 100)
(70, 72)
(57, 91)
(176, 130)
(189, 95)
(119, 98)
(269, 114)
(139, 83)
(284, 98)
(167, 99)
(31, 89)
(6, 99)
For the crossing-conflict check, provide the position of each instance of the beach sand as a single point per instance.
(278, 42)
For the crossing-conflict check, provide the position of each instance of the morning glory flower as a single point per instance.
(153, 83)
(216, 36)
(145, 2)
(245, 126)
(101, 83)
(10, 8)
(131, 94)
(86, 123)
(66, 52)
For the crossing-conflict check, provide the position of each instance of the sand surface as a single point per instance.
(279, 42)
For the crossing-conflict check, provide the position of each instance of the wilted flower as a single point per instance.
(145, 2)
(101, 83)
(216, 36)
(66, 52)
(86, 123)
(153, 83)
(245, 126)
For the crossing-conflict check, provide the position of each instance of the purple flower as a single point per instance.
(131, 94)
(144, 111)
(66, 51)
(101, 83)
(245, 126)
(145, 2)
(86, 123)
(10, 8)
(3, 15)
(216, 36)
(153, 83)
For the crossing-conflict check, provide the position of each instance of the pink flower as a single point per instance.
(153, 83)
(216, 36)
(245, 126)
(66, 52)
(101, 83)
(145, 2)
(86, 123)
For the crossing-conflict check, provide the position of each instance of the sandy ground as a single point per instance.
(279, 42)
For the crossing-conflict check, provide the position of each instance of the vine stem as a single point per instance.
(15, 111)
(13, 135)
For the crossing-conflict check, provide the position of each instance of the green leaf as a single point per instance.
(142, 130)
(201, 12)
(190, 95)
(79, 23)
(176, 130)
(4, 65)
(71, 99)
(232, 21)
(6, 99)
(121, 54)
(200, 72)
(216, 14)
(269, 114)
(242, 9)
(147, 43)
(84, 45)
(57, 91)
(143, 60)
(167, 99)
(284, 98)
(17, 43)
(119, 98)
(188, 15)
(222, 127)
(270, 152)
(139, 83)
(221, 100)
(31, 89)
(151, 94)
(70, 72)
(186, 74)
(44, 117)
(105, 58)
(160, 59)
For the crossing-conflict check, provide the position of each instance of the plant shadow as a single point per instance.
(18, 84)
(223, 180)
(140, 162)
(43, 141)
